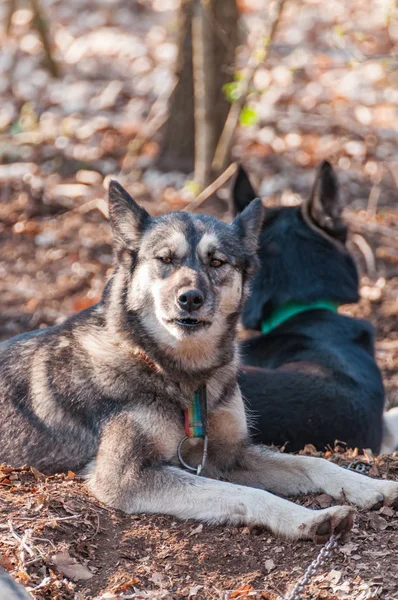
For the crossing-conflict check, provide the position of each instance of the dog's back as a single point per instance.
(311, 377)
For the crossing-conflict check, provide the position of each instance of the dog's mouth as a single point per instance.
(189, 322)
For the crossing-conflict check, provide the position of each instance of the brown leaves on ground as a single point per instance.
(59, 542)
(70, 567)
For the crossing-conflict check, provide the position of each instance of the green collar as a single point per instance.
(291, 309)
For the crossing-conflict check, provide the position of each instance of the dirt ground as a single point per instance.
(63, 544)
(328, 90)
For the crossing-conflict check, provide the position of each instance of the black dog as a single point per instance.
(311, 376)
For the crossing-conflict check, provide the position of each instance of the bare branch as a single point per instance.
(366, 227)
(367, 253)
(213, 187)
(257, 58)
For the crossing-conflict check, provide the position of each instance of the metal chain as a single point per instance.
(328, 549)
(359, 466)
(313, 568)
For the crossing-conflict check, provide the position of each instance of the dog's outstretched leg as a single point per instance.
(290, 475)
(129, 474)
(169, 490)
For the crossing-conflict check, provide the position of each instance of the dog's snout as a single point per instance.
(190, 300)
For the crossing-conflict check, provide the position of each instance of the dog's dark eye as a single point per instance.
(216, 263)
(167, 260)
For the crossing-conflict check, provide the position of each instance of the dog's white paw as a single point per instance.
(369, 493)
(363, 495)
(321, 524)
(389, 490)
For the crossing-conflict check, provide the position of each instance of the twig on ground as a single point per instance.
(366, 227)
(257, 58)
(367, 253)
(23, 546)
(41, 539)
(33, 561)
(373, 199)
(213, 187)
(52, 518)
(21, 540)
(97, 527)
(94, 204)
(42, 584)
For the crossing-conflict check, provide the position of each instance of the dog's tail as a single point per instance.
(10, 589)
(390, 431)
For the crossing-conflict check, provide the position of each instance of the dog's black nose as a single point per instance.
(191, 300)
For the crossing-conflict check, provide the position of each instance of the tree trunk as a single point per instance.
(178, 146)
(216, 29)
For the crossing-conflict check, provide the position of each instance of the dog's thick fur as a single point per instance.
(313, 379)
(106, 391)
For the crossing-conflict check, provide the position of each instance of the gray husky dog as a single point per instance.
(106, 392)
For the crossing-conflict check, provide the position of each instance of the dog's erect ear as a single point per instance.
(248, 225)
(324, 208)
(128, 219)
(242, 193)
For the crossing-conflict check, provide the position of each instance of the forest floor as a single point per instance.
(329, 90)
(61, 543)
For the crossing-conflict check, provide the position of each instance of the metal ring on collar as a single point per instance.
(200, 467)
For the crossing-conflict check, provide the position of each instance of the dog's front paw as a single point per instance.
(389, 491)
(369, 497)
(323, 523)
(370, 493)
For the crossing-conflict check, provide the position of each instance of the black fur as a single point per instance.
(313, 379)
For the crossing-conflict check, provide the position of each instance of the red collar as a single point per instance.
(153, 366)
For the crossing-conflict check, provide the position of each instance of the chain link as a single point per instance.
(360, 467)
(328, 549)
(314, 567)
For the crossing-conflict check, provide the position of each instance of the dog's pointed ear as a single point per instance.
(242, 192)
(248, 225)
(324, 208)
(128, 219)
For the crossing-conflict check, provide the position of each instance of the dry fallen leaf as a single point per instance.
(348, 549)
(386, 511)
(324, 500)
(22, 576)
(37, 474)
(157, 579)
(69, 567)
(334, 576)
(377, 522)
(194, 590)
(6, 563)
(197, 529)
(269, 565)
(244, 589)
(127, 585)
